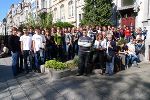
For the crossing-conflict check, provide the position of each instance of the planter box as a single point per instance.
(58, 74)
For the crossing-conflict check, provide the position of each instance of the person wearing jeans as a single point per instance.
(26, 42)
(14, 46)
(38, 44)
(110, 51)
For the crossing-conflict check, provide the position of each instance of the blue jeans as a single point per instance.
(110, 67)
(37, 60)
(26, 55)
(15, 62)
(134, 58)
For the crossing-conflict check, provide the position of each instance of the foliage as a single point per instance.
(97, 12)
(121, 41)
(76, 60)
(22, 26)
(31, 21)
(45, 20)
(63, 24)
(73, 63)
(56, 65)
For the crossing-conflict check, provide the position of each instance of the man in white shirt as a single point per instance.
(26, 42)
(38, 46)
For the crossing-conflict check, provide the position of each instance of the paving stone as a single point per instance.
(38, 82)
(14, 87)
(48, 92)
(4, 94)
(6, 98)
(16, 90)
(27, 86)
(3, 86)
(19, 96)
(60, 98)
(34, 94)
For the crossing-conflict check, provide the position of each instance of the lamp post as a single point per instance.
(4, 23)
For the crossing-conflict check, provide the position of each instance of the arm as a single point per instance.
(33, 44)
(21, 45)
(84, 44)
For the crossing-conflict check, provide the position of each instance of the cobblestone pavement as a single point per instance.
(131, 84)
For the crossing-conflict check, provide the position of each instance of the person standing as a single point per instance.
(58, 38)
(110, 52)
(14, 46)
(37, 41)
(85, 43)
(26, 43)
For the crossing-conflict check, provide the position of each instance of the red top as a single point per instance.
(127, 33)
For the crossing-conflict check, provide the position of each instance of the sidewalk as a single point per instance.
(131, 84)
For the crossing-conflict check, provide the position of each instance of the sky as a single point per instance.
(5, 6)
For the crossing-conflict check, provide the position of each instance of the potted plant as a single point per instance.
(58, 69)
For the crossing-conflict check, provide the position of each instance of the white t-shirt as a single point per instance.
(38, 40)
(103, 43)
(131, 48)
(97, 44)
(27, 42)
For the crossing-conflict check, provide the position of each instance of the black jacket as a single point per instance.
(14, 43)
(112, 50)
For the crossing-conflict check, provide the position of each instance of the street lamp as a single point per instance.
(4, 23)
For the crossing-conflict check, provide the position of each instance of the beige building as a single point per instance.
(67, 11)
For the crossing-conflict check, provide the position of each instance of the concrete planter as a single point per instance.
(58, 74)
(61, 73)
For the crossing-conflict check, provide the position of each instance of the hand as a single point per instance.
(21, 51)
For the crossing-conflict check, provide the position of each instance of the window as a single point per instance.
(44, 4)
(55, 14)
(80, 17)
(127, 2)
(62, 12)
(70, 9)
(37, 4)
(33, 5)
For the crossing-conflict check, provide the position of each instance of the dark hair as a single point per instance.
(14, 29)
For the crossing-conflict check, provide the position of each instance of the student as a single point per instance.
(14, 46)
(37, 41)
(85, 43)
(26, 43)
(110, 51)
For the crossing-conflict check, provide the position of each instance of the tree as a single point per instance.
(31, 21)
(45, 19)
(63, 24)
(97, 12)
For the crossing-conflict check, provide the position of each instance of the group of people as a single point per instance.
(97, 47)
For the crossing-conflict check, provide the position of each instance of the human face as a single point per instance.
(25, 31)
(84, 33)
(37, 31)
(109, 37)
